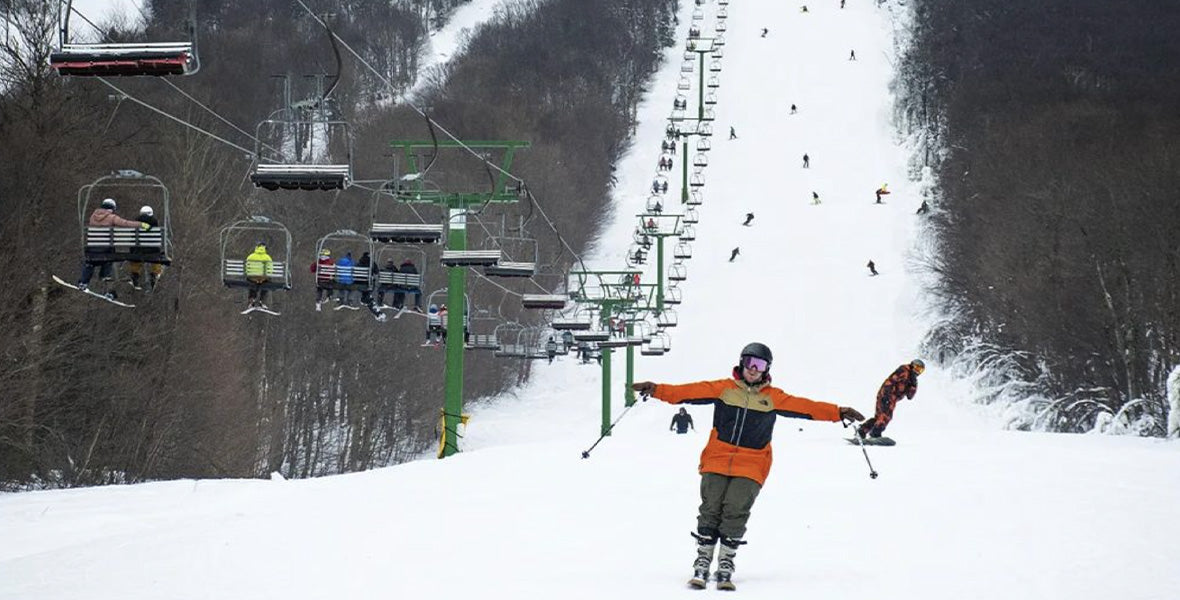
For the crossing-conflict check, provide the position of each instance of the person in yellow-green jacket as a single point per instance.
(259, 268)
(736, 460)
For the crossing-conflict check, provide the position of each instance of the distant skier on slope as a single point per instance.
(737, 458)
(903, 382)
(734, 254)
(749, 219)
(681, 422)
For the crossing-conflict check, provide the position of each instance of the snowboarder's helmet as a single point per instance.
(758, 350)
(918, 365)
(109, 203)
(146, 210)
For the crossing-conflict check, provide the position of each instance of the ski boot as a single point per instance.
(725, 556)
(706, 544)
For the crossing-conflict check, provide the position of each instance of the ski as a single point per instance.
(872, 441)
(348, 306)
(92, 293)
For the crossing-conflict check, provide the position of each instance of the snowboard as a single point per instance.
(92, 293)
(871, 441)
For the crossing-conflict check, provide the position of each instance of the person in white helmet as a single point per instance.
(135, 268)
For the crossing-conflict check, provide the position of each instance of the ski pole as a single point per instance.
(861, 442)
(586, 453)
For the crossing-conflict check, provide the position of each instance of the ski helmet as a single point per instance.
(146, 210)
(758, 350)
(109, 203)
(325, 253)
(918, 365)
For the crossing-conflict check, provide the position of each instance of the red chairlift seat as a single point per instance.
(127, 60)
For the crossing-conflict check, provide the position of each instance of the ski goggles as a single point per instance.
(757, 364)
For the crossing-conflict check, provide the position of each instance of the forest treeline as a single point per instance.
(184, 386)
(1052, 131)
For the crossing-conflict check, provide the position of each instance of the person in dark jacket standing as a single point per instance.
(681, 422)
(737, 458)
(902, 383)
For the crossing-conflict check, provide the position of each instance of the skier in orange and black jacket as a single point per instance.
(737, 458)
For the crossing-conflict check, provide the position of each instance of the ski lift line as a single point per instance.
(249, 151)
(215, 114)
(391, 87)
(434, 123)
(74, 10)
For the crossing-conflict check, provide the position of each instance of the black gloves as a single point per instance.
(847, 413)
(644, 387)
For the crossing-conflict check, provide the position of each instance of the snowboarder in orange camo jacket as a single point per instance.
(903, 382)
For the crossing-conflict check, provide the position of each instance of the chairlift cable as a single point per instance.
(391, 87)
(433, 123)
(165, 80)
(177, 119)
(339, 64)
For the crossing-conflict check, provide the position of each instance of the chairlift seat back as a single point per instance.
(113, 244)
(233, 274)
(406, 233)
(301, 177)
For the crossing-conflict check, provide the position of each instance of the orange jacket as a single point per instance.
(743, 421)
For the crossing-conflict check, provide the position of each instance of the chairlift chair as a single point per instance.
(520, 247)
(705, 129)
(677, 272)
(574, 322)
(673, 295)
(691, 216)
(657, 346)
(723, 12)
(239, 239)
(718, 52)
(470, 258)
(697, 14)
(696, 180)
(713, 82)
(544, 301)
(389, 261)
(696, 198)
(684, 83)
(666, 319)
(406, 233)
(687, 66)
(704, 144)
(341, 243)
(719, 40)
(121, 59)
(295, 154)
(118, 244)
(720, 26)
(683, 250)
(688, 233)
(700, 160)
(715, 65)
